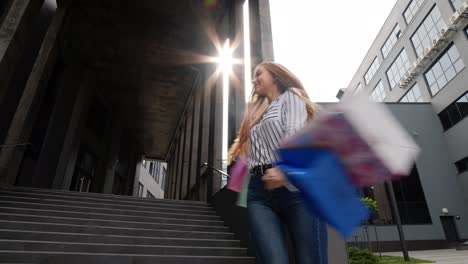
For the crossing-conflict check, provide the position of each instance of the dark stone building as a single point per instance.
(87, 89)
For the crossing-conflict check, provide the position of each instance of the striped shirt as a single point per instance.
(284, 116)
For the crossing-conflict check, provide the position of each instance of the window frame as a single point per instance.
(358, 88)
(409, 90)
(445, 111)
(376, 59)
(452, 6)
(391, 64)
(436, 60)
(414, 15)
(463, 161)
(388, 38)
(375, 87)
(421, 24)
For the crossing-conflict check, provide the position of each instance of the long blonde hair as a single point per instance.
(257, 106)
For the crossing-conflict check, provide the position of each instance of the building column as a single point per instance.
(176, 167)
(168, 178)
(261, 37)
(237, 88)
(13, 32)
(172, 181)
(193, 136)
(71, 144)
(201, 126)
(113, 156)
(180, 164)
(26, 113)
(68, 88)
(204, 132)
(131, 177)
(187, 150)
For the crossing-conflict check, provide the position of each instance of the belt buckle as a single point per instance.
(265, 167)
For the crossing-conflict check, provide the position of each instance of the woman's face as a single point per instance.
(263, 82)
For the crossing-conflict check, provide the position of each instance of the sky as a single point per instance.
(324, 42)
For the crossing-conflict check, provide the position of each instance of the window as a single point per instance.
(444, 70)
(455, 112)
(411, 10)
(384, 214)
(157, 174)
(151, 167)
(462, 165)
(144, 163)
(410, 199)
(391, 41)
(163, 178)
(158, 168)
(398, 68)
(372, 70)
(358, 89)
(140, 189)
(149, 195)
(378, 94)
(428, 31)
(412, 96)
(155, 170)
(456, 4)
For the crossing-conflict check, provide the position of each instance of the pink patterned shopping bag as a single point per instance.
(362, 134)
(237, 175)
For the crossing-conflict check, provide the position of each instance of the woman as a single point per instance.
(278, 107)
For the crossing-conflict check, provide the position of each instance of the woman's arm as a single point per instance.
(294, 113)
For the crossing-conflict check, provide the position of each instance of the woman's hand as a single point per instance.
(274, 178)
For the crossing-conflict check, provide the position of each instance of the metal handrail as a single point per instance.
(213, 168)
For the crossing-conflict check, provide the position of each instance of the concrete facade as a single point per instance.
(89, 94)
(91, 103)
(112, 81)
(150, 184)
(439, 180)
(444, 186)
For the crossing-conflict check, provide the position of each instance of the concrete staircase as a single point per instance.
(51, 226)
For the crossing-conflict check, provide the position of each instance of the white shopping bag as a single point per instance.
(380, 129)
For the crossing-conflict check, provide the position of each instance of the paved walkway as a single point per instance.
(440, 256)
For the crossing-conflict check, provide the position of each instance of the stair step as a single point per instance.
(116, 239)
(104, 230)
(38, 245)
(104, 211)
(56, 226)
(46, 199)
(111, 196)
(108, 217)
(88, 258)
(103, 200)
(111, 223)
(462, 246)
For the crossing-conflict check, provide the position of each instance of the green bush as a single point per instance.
(361, 256)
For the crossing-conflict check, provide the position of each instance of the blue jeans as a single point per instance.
(268, 212)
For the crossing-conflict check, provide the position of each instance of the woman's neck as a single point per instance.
(275, 93)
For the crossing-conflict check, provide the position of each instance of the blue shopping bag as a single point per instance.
(327, 190)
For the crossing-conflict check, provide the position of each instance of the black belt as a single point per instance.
(261, 168)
